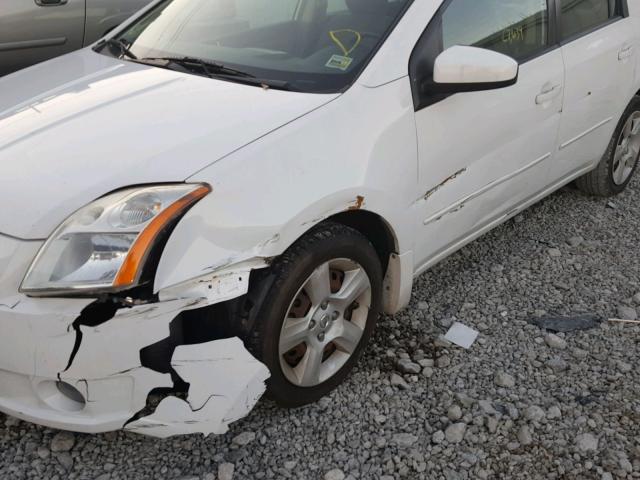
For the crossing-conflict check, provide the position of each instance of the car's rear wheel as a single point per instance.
(323, 300)
(615, 170)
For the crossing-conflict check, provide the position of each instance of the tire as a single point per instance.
(601, 181)
(330, 244)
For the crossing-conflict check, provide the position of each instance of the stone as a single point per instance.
(487, 407)
(579, 353)
(454, 412)
(624, 367)
(380, 419)
(404, 440)
(225, 471)
(555, 342)
(503, 379)
(575, 241)
(11, 422)
(428, 372)
(243, 439)
(554, 412)
(524, 436)
(445, 322)
(441, 342)
(627, 313)
(557, 364)
(43, 453)
(438, 437)
(443, 362)
(407, 366)
(455, 433)
(335, 474)
(534, 413)
(587, 442)
(65, 460)
(63, 442)
(554, 253)
(465, 400)
(426, 362)
(398, 381)
(492, 424)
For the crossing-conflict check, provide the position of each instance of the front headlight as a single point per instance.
(103, 247)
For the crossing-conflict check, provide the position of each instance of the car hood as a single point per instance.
(83, 125)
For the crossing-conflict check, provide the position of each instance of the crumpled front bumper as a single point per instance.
(57, 372)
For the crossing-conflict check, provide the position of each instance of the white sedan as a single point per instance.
(222, 197)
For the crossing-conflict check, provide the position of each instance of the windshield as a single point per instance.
(302, 45)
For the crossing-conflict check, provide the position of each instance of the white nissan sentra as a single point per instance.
(222, 197)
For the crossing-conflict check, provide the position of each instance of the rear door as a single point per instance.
(599, 51)
(32, 31)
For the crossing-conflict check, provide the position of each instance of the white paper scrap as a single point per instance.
(461, 335)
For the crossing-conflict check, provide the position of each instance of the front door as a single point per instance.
(483, 153)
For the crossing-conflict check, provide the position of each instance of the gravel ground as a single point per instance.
(519, 404)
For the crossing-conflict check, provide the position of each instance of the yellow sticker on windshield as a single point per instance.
(340, 62)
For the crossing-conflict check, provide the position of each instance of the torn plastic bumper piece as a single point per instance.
(91, 379)
(239, 383)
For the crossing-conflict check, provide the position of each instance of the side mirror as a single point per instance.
(471, 69)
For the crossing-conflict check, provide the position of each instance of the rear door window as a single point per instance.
(581, 16)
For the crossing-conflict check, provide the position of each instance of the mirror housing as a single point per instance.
(472, 69)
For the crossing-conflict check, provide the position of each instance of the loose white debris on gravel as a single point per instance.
(512, 407)
(461, 335)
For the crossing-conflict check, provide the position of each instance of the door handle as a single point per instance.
(50, 3)
(625, 53)
(548, 93)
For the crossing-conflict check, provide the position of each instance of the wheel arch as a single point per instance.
(397, 268)
(375, 228)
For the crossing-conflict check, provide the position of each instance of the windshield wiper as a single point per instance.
(120, 45)
(215, 70)
(208, 67)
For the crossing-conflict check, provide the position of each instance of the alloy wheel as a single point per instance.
(325, 322)
(627, 150)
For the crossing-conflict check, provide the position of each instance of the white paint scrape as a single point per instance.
(226, 382)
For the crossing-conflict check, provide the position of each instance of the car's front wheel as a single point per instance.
(319, 311)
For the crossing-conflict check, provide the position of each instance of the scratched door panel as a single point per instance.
(481, 153)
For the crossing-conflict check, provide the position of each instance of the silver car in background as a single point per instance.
(32, 31)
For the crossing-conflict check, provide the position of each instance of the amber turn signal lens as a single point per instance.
(133, 264)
